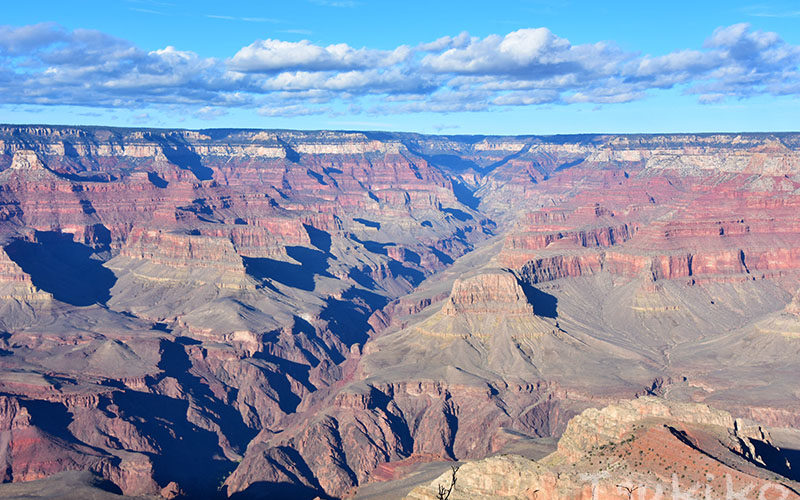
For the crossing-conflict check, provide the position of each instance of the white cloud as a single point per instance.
(47, 64)
(24, 39)
(446, 42)
(525, 98)
(269, 56)
(525, 53)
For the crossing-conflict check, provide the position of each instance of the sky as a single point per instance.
(432, 66)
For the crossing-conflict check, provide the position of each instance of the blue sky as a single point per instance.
(435, 66)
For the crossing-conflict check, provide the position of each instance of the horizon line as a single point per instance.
(404, 132)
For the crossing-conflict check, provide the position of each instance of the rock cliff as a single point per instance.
(251, 313)
(645, 448)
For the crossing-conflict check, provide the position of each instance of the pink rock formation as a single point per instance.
(296, 310)
(493, 292)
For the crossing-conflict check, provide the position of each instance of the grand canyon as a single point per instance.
(236, 313)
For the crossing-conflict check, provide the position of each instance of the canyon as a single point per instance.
(300, 314)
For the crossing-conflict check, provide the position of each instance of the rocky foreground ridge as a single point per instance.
(254, 313)
(642, 448)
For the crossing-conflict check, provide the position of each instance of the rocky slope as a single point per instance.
(250, 313)
(643, 448)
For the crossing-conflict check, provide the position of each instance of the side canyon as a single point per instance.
(258, 313)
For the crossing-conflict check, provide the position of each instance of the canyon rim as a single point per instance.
(297, 314)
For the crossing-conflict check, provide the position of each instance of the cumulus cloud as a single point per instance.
(528, 58)
(393, 81)
(15, 41)
(522, 51)
(267, 56)
(45, 64)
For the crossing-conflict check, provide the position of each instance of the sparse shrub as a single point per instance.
(444, 493)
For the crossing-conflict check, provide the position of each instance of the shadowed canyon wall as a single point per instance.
(245, 312)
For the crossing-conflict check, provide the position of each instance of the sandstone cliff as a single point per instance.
(286, 312)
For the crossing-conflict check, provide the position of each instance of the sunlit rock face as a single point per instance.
(648, 447)
(291, 313)
(490, 292)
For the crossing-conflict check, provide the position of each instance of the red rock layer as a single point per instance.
(256, 259)
(496, 293)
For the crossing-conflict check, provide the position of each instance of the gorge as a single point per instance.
(299, 314)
